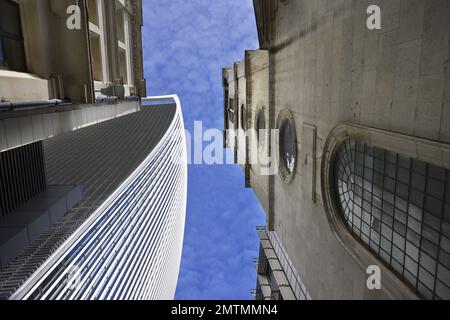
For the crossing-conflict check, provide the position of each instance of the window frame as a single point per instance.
(13, 37)
(432, 152)
(374, 189)
(261, 142)
(100, 31)
(243, 117)
(126, 46)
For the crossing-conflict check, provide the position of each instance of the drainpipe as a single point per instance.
(12, 106)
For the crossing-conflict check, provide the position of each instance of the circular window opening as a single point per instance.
(261, 127)
(243, 118)
(287, 146)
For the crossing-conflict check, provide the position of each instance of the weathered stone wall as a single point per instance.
(327, 68)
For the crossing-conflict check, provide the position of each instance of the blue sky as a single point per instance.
(186, 43)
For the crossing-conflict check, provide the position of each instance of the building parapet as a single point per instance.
(22, 127)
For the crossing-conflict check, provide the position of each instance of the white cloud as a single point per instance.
(186, 43)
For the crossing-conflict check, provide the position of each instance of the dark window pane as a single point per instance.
(435, 188)
(442, 291)
(447, 213)
(391, 157)
(288, 146)
(260, 127)
(404, 162)
(447, 190)
(413, 238)
(14, 55)
(412, 251)
(418, 181)
(2, 55)
(391, 170)
(359, 158)
(426, 278)
(414, 225)
(403, 175)
(419, 167)
(429, 247)
(415, 212)
(10, 19)
(243, 118)
(416, 198)
(379, 154)
(444, 259)
(436, 172)
(402, 190)
(389, 184)
(428, 262)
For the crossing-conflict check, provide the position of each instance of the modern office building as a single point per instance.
(362, 147)
(92, 181)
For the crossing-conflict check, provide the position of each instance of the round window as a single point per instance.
(261, 127)
(287, 146)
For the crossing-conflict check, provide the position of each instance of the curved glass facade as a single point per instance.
(129, 247)
(400, 208)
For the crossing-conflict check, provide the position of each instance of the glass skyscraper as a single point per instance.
(92, 182)
(123, 239)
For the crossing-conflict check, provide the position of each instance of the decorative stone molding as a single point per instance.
(416, 148)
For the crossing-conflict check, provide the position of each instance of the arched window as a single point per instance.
(261, 127)
(231, 110)
(243, 117)
(398, 207)
(287, 145)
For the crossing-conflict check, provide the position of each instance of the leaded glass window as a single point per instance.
(399, 208)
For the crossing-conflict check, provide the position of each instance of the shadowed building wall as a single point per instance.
(384, 94)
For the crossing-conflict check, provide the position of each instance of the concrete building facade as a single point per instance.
(65, 50)
(363, 144)
(60, 66)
